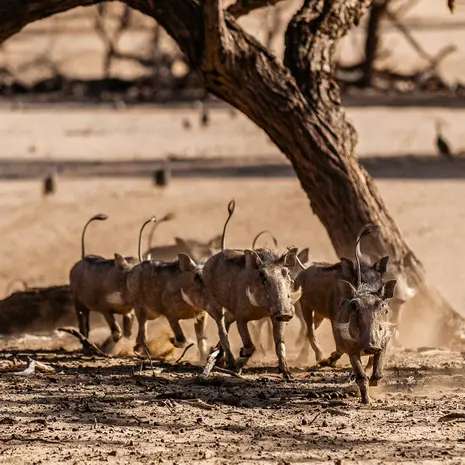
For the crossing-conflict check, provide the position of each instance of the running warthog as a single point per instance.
(361, 323)
(161, 289)
(197, 250)
(98, 284)
(248, 285)
(319, 284)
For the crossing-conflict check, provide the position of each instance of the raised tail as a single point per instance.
(167, 217)
(365, 231)
(150, 220)
(275, 241)
(98, 217)
(231, 208)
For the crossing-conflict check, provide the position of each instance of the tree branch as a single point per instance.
(215, 34)
(243, 7)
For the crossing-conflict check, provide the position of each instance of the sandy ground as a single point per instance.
(94, 410)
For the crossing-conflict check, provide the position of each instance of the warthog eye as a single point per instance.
(353, 306)
(262, 275)
(285, 272)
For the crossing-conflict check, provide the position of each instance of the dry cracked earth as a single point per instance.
(122, 410)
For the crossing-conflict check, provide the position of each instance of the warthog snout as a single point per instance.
(371, 350)
(284, 317)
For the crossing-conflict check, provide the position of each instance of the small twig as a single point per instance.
(151, 362)
(85, 342)
(314, 418)
(198, 403)
(184, 352)
(228, 372)
(210, 363)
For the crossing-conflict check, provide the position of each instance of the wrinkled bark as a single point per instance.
(297, 104)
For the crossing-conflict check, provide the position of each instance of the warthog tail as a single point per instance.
(231, 208)
(99, 217)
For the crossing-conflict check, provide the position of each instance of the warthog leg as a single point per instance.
(179, 340)
(331, 360)
(378, 365)
(200, 327)
(128, 321)
(278, 335)
(224, 322)
(248, 347)
(115, 328)
(312, 321)
(141, 340)
(83, 317)
(361, 377)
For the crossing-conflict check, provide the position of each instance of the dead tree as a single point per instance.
(296, 102)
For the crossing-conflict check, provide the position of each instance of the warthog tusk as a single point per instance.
(186, 298)
(251, 297)
(343, 329)
(296, 295)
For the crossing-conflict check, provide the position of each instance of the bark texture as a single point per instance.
(296, 103)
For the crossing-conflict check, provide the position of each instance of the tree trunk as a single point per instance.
(372, 40)
(297, 104)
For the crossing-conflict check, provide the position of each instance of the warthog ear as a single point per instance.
(304, 255)
(215, 242)
(186, 263)
(252, 260)
(387, 291)
(288, 258)
(381, 265)
(121, 262)
(347, 267)
(346, 290)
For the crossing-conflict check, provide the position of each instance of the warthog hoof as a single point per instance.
(374, 382)
(117, 335)
(287, 375)
(328, 362)
(178, 344)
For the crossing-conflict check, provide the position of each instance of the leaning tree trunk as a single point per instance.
(298, 106)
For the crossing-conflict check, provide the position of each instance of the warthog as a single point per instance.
(196, 249)
(248, 285)
(361, 323)
(303, 257)
(319, 284)
(161, 289)
(98, 284)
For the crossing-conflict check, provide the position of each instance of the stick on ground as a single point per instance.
(184, 352)
(88, 346)
(210, 363)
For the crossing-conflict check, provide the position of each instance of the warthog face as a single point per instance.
(364, 319)
(271, 286)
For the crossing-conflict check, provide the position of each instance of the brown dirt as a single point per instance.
(95, 410)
